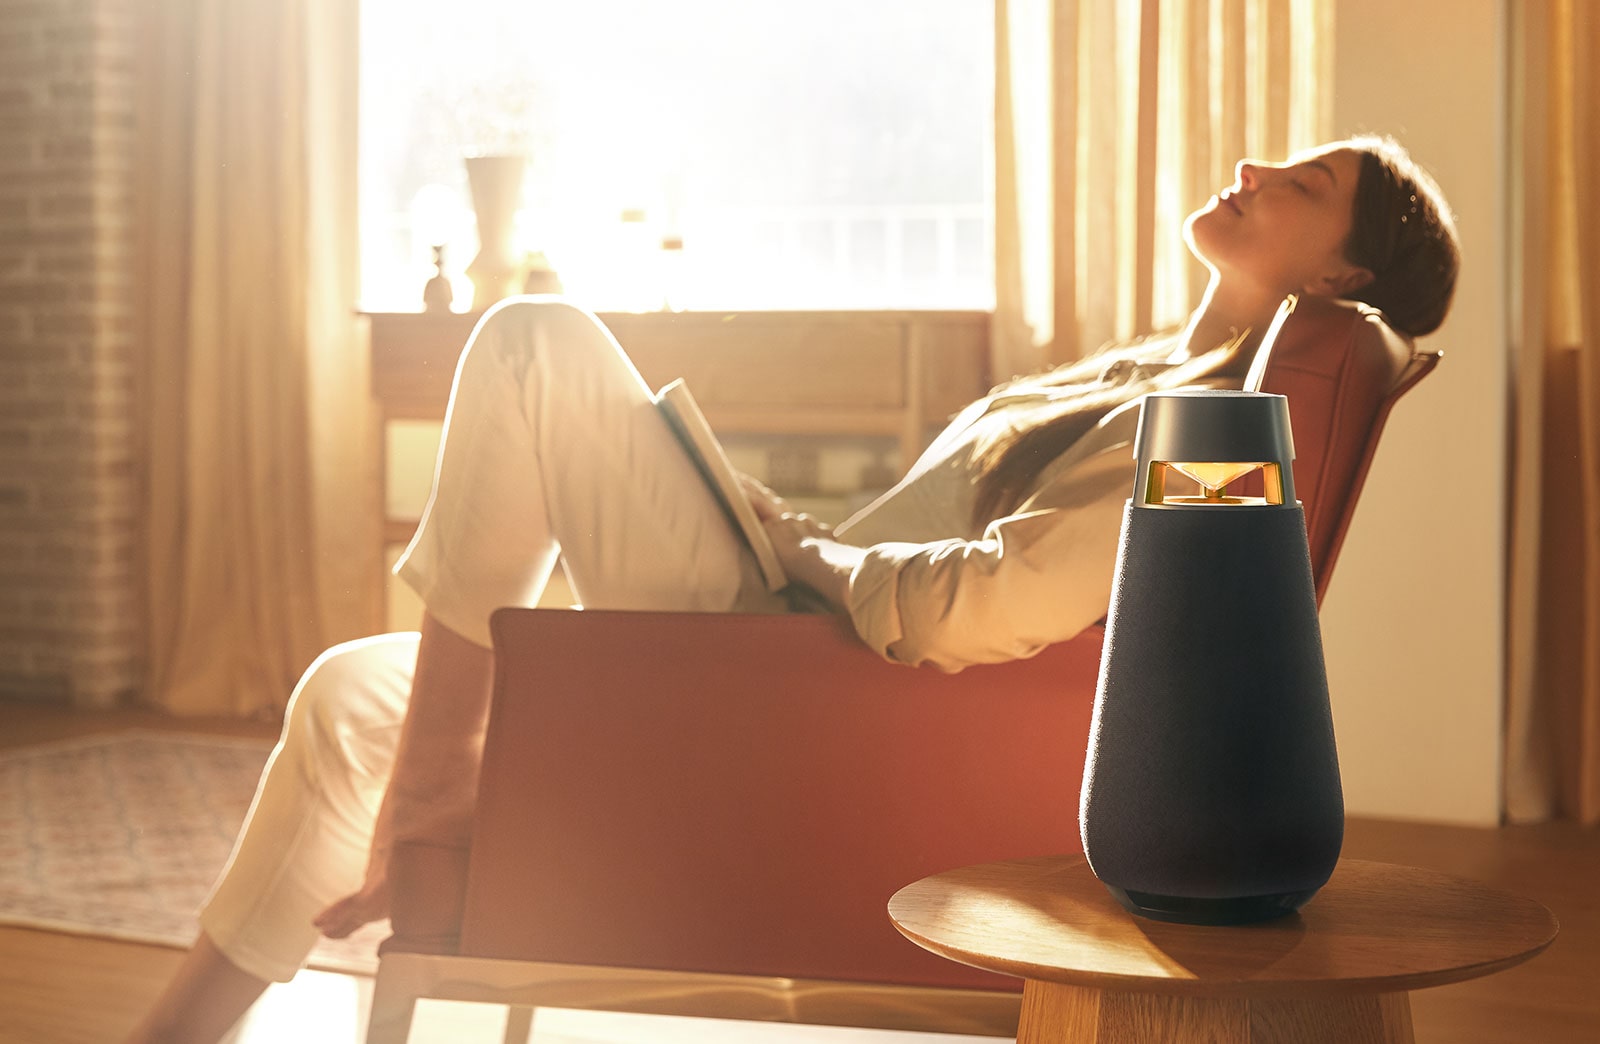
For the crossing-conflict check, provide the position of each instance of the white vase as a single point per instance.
(496, 183)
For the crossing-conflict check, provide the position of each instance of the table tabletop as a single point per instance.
(1373, 928)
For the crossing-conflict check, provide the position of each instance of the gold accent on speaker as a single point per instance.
(1213, 478)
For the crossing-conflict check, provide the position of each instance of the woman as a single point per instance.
(998, 542)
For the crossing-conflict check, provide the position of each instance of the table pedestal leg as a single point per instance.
(1053, 1013)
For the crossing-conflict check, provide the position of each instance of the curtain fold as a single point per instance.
(1113, 120)
(255, 409)
(1552, 728)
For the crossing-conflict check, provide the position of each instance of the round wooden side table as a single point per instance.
(1336, 972)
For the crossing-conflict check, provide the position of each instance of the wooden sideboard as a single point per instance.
(896, 375)
(804, 373)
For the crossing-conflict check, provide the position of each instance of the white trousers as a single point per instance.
(551, 445)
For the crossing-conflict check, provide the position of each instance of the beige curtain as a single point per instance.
(259, 513)
(1114, 119)
(1553, 693)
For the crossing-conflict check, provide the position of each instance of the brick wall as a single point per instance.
(69, 590)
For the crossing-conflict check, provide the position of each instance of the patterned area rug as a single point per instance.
(122, 835)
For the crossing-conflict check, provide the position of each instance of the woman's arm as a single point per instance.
(814, 558)
(805, 546)
(1033, 578)
(434, 784)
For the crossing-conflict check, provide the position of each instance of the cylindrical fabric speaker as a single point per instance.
(1211, 789)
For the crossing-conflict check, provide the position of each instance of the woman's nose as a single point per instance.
(1248, 173)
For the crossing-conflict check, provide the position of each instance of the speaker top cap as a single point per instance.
(1214, 425)
(1214, 437)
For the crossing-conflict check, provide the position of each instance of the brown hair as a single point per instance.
(1009, 463)
(1401, 230)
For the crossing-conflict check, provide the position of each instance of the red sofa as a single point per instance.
(707, 813)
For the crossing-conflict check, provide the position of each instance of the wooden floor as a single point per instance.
(62, 988)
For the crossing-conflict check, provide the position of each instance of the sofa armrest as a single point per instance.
(741, 794)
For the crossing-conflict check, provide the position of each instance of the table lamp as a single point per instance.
(1211, 787)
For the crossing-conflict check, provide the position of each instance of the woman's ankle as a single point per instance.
(202, 1001)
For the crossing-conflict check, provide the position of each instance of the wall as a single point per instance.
(1413, 622)
(68, 589)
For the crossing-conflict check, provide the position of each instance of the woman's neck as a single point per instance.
(1225, 316)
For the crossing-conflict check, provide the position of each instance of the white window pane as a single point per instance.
(824, 155)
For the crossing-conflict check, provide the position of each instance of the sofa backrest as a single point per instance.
(1342, 368)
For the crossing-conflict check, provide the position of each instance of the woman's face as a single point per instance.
(1280, 228)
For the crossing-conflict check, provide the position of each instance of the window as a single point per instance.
(832, 154)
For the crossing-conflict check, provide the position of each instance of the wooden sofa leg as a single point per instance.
(394, 999)
(519, 1023)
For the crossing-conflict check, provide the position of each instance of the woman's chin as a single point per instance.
(1195, 234)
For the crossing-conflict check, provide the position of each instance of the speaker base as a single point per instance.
(1183, 909)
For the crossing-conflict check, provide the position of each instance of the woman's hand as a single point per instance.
(371, 901)
(805, 545)
(369, 904)
(433, 788)
(765, 502)
(787, 527)
(782, 522)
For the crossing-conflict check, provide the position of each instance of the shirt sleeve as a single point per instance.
(1032, 579)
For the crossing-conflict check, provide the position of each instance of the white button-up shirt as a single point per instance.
(935, 589)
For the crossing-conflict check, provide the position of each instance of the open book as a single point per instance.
(685, 418)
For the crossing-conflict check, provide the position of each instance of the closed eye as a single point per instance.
(1321, 167)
